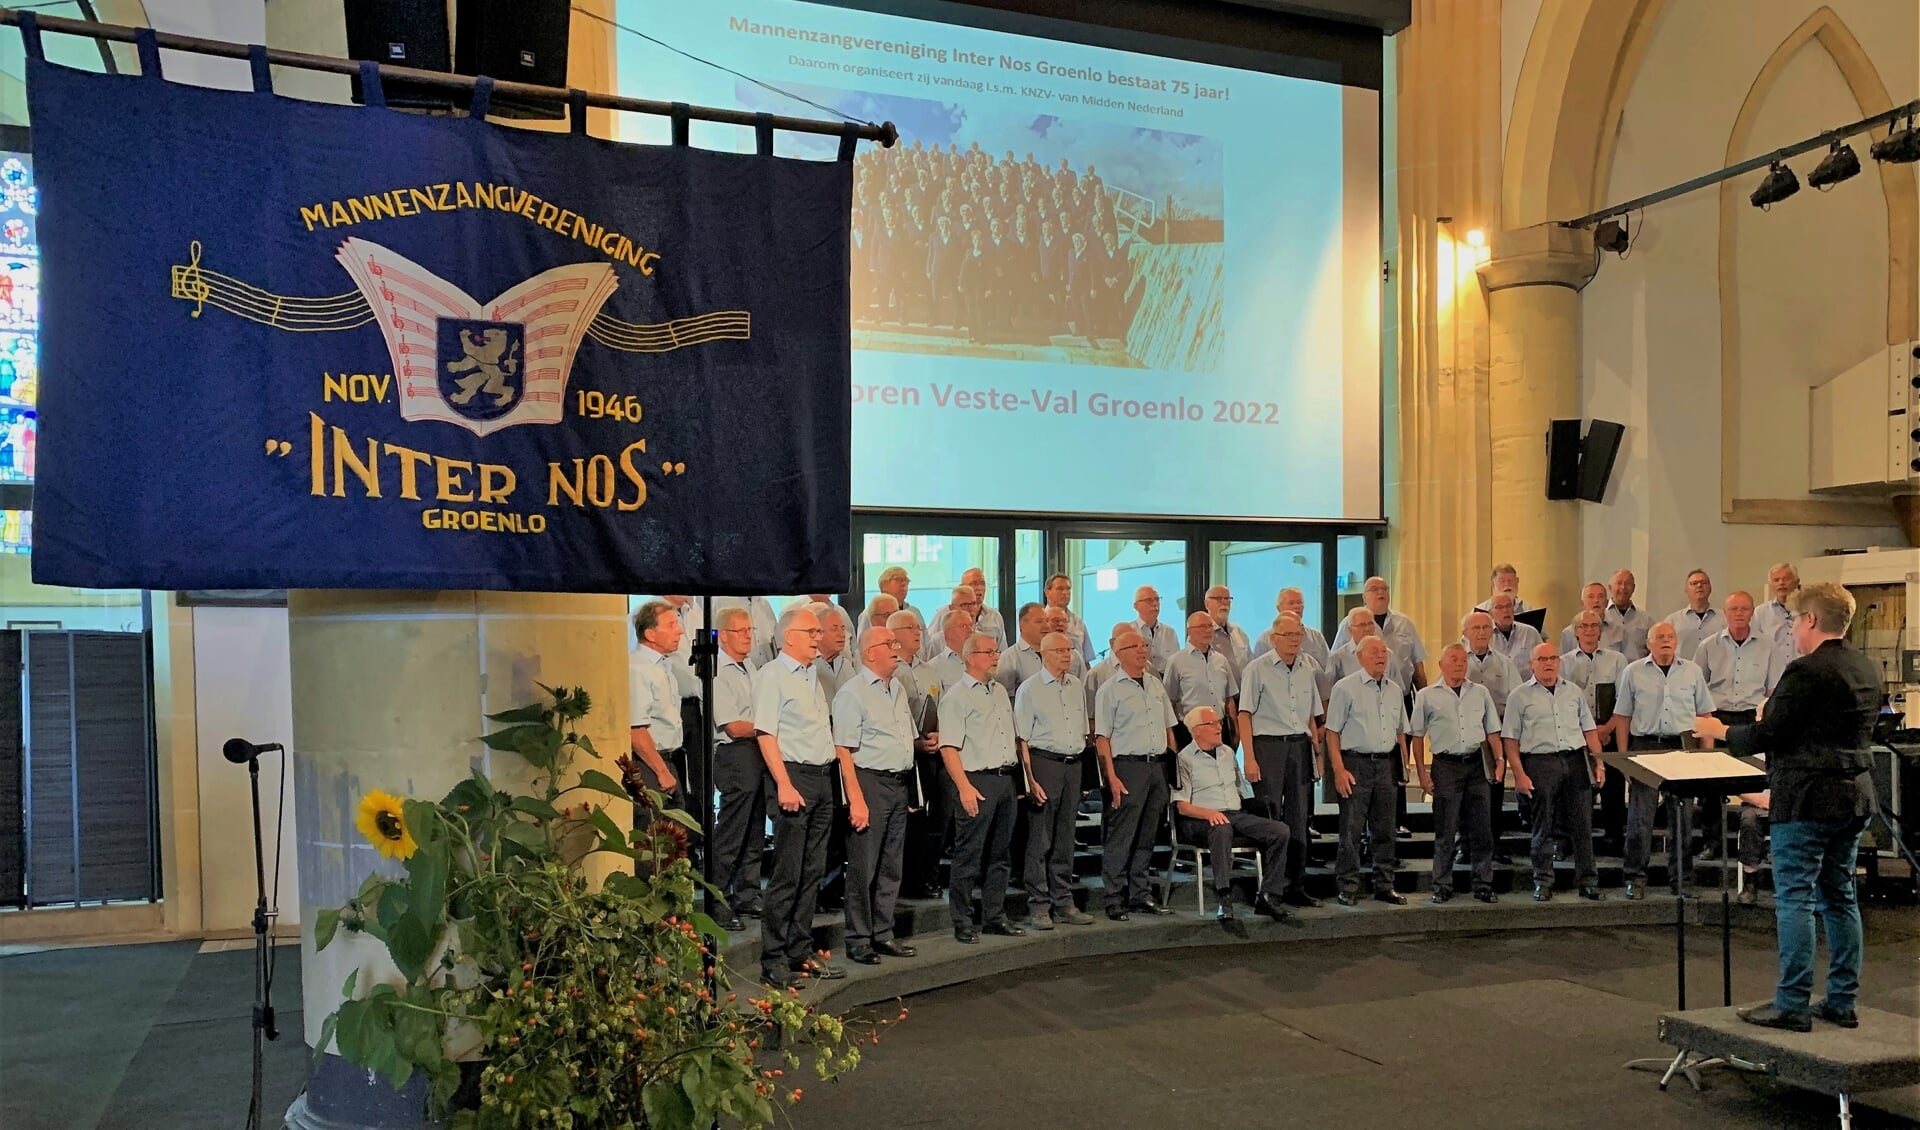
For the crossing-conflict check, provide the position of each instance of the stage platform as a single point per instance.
(1881, 1054)
(943, 961)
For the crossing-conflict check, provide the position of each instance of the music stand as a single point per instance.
(1683, 776)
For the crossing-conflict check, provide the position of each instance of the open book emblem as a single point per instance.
(482, 367)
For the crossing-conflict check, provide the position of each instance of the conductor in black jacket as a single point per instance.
(1815, 732)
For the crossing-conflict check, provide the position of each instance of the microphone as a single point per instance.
(240, 750)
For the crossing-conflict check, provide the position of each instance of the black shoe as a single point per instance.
(730, 923)
(1559, 853)
(1348, 898)
(1484, 895)
(1298, 897)
(779, 978)
(830, 906)
(1636, 892)
(1592, 894)
(1152, 907)
(1390, 896)
(894, 949)
(1273, 910)
(818, 969)
(1542, 893)
(1224, 912)
(1004, 929)
(1502, 857)
(1846, 1019)
(966, 935)
(1440, 895)
(863, 957)
(1767, 1016)
(1119, 915)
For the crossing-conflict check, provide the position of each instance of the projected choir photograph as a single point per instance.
(1005, 233)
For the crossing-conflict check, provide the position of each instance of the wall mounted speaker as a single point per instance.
(516, 41)
(1563, 460)
(1597, 453)
(406, 33)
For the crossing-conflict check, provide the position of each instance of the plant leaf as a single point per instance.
(532, 712)
(681, 818)
(428, 869)
(410, 942)
(706, 925)
(586, 743)
(512, 738)
(353, 979)
(324, 927)
(534, 806)
(607, 827)
(598, 781)
(667, 1105)
(527, 836)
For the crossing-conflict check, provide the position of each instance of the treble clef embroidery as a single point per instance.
(192, 284)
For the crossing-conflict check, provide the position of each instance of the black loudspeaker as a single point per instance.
(407, 33)
(1596, 458)
(517, 41)
(1563, 460)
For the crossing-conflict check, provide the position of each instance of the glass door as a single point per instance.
(1107, 573)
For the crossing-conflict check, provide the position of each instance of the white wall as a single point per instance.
(1812, 291)
(243, 688)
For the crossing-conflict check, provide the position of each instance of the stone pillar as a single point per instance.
(1533, 279)
(390, 691)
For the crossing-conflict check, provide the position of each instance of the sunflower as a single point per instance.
(380, 821)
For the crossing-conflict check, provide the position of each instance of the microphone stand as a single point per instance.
(263, 1024)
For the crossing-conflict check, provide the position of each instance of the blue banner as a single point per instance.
(295, 345)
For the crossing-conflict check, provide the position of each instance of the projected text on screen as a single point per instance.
(1085, 280)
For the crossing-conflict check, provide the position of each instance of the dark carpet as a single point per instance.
(1512, 1029)
(1515, 1029)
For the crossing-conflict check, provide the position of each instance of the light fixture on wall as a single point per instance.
(1840, 163)
(1779, 184)
(1901, 147)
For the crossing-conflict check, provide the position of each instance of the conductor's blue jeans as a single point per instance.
(1813, 863)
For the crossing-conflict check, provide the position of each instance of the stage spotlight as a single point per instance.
(1901, 147)
(1841, 162)
(1611, 235)
(1779, 184)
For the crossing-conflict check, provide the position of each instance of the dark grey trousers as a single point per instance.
(1049, 863)
(1370, 809)
(874, 860)
(799, 859)
(1270, 836)
(1643, 805)
(1562, 806)
(740, 827)
(1460, 806)
(1126, 864)
(1286, 781)
(981, 847)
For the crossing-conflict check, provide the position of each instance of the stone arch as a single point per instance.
(1579, 66)
(1827, 30)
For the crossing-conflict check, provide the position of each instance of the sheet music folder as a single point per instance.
(1536, 618)
(1690, 773)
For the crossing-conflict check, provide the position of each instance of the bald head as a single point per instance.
(1545, 665)
(1373, 656)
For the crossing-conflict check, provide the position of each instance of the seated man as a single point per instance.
(1206, 800)
(1755, 809)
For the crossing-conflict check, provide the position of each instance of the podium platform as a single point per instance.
(1883, 1053)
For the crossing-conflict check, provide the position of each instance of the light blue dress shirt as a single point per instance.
(1051, 714)
(1454, 721)
(1134, 715)
(788, 706)
(873, 719)
(1282, 699)
(1369, 714)
(1662, 703)
(1547, 719)
(1739, 675)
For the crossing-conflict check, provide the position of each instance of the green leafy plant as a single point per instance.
(590, 1006)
